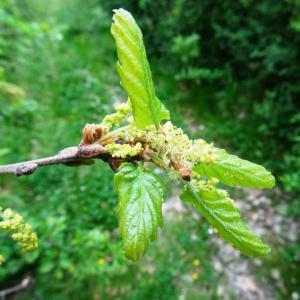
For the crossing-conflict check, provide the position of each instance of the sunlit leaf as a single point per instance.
(233, 171)
(134, 71)
(221, 212)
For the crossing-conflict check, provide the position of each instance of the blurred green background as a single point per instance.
(229, 71)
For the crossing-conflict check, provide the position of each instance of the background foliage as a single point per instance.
(232, 66)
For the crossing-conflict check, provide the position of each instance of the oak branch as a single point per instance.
(72, 156)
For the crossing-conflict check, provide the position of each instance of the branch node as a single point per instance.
(25, 168)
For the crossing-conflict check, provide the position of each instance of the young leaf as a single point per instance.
(233, 171)
(140, 193)
(221, 212)
(134, 71)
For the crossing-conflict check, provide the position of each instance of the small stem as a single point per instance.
(141, 165)
(159, 162)
(23, 285)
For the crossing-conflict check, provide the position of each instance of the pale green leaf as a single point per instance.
(134, 71)
(140, 193)
(164, 112)
(233, 171)
(221, 212)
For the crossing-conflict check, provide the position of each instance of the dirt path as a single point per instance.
(238, 274)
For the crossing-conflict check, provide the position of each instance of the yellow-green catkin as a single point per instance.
(1, 259)
(122, 111)
(173, 144)
(122, 151)
(22, 233)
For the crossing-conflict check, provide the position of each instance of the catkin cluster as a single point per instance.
(174, 146)
(122, 111)
(123, 151)
(168, 142)
(22, 233)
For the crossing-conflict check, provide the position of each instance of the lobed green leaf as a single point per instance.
(221, 212)
(233, 171)
(134, 71)
(140, 193)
